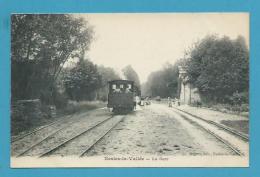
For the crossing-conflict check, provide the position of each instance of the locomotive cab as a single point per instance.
(121, 95)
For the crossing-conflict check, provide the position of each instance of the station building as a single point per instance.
(188, 93)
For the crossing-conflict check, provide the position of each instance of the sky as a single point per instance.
(147, 41)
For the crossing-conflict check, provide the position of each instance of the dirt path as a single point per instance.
(153, 130)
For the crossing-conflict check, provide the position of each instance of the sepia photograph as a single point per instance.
(130, 90)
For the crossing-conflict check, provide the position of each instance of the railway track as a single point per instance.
(30, 140)
(235, 145)
(34, 131)
(49, 152)
(232, 131)
(39, 142)
(234, 149)
(66, 141)
(84, 153)
(38, 129)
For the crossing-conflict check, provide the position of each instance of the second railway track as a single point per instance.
(32, 139)
(230, 146)
(84, 141)
(54, 123)
(227, 129)
(56, 141)
(34, 131)
(85, 151)
(238, 144)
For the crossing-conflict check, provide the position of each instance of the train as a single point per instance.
(121, 96)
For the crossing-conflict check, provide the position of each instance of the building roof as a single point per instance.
(121, 81)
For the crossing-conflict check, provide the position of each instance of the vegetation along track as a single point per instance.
(227, 129)
(227, 143)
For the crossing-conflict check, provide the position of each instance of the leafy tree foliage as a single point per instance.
(163, 83)
(82, 81)
(130, 74)
(219, 67)
(107, 74)
(40, 46)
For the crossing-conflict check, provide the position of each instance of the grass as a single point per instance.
(77, 107)
(242, 110)
(240, 125)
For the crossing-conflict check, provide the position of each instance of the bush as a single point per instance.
(238, 98)
(228, 108)
(244, 108)
(26, 114)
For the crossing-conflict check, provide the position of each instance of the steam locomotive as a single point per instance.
(121, 96)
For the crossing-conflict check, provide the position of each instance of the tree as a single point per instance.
(163, 82)
(130, 74)
(82, 81)
(219, 67)
(40, 46)
(107, 74)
